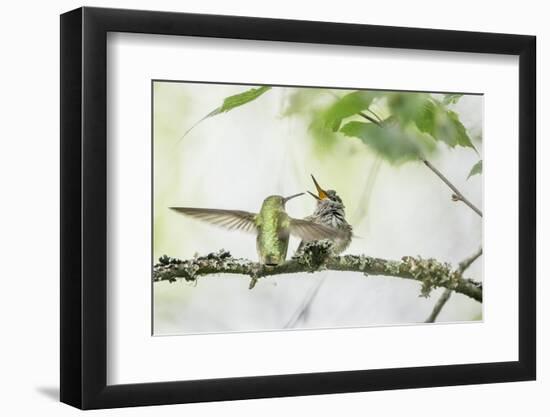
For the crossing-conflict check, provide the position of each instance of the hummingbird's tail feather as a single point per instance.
(271, 260)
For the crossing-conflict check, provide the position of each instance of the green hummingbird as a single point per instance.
(272, 226)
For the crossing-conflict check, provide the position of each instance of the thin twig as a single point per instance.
(457, 194)
(462, 266)
(438, 306)
(302, 311)
(465, 264)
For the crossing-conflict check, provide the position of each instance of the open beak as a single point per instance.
(321, 193)
(314, 196)
(291, 197)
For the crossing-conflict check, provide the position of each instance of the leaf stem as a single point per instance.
(370, 119)
(374, 114)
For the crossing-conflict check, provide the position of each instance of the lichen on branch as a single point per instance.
(318, 256)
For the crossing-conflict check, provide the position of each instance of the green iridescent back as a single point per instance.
(273, 231)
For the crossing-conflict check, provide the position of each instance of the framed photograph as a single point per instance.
(257, 208)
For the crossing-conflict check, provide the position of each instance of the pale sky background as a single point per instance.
(234, 160)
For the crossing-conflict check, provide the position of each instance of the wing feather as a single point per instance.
(229, 219)
(308, 230)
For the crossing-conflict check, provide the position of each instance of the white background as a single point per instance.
(29, 210)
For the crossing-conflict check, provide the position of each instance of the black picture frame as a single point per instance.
(84, 207)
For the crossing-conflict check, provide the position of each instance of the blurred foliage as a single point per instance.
(393, 143)
(413, 124)
(451, 98)
(430, 116)
(476, 169)
(304, 101)
(310, 104)
(410, 127)
(347, 106)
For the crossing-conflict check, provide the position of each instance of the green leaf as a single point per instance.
(389, 141)
(231, 102)
(426, 120)
(409, 107)
(458, 130)
(238, 100)
(476, 169)
(442, 124)
(451, 98)
(349, 105)
(430, 116)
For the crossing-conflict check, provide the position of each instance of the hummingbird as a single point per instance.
(272, 226)
(330, 212)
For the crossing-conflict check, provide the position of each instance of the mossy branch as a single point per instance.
(317, 256)
(462, 267)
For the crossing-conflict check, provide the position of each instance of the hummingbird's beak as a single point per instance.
(322, 193)
(314, 195)
(291, 197)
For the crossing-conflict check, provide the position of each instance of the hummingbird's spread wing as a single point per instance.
(308, 230)
(230, 219)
